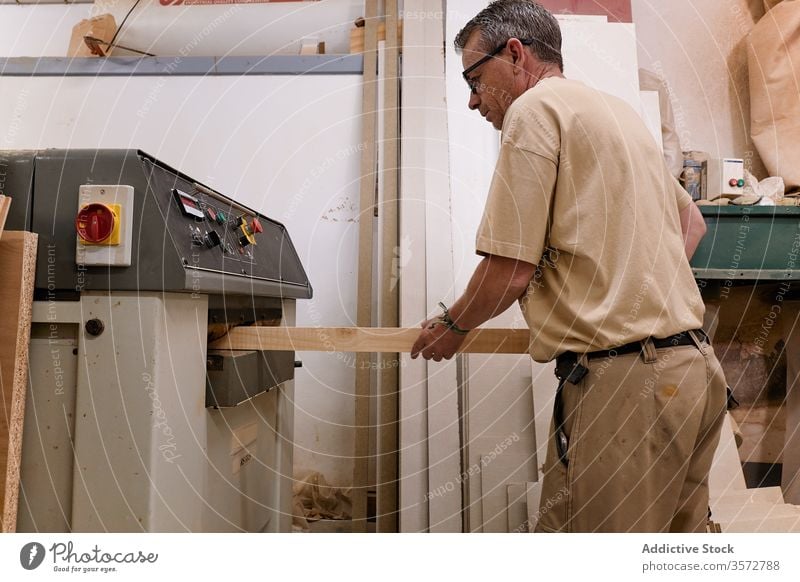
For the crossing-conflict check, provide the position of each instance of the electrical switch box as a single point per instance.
(104, 226)
(725, 177)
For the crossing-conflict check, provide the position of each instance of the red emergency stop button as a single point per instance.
(733, 182)
(255, 226)
(95, 223)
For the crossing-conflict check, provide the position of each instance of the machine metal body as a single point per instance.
(132, 424)
(749, 243)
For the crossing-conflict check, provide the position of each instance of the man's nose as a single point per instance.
(474, 101)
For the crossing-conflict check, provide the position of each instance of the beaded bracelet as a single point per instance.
(448, 322)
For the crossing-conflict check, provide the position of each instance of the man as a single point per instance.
(582, 226)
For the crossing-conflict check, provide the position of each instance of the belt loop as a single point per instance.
(698, 342)
(649, 354)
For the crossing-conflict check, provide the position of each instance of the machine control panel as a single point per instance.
(214, 233)
(123, 220)
(209, 225)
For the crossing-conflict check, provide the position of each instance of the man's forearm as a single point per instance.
(495, 285)
(693, 227)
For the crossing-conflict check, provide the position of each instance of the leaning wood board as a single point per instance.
(364, 340)
(366, 235)
(18, 268)
(5, 203)
(388, 295)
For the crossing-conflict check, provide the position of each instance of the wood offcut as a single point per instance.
(18, 268)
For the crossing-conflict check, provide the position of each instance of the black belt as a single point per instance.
(673, 341)
(568, 369)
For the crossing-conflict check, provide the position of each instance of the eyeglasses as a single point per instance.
(473, 84)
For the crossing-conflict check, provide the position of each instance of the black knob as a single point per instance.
(94, 327)
(212, 239)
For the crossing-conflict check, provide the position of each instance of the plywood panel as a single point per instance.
(17, 265)
(726, 471)
(497, 472)
(533, 496)
(517, 510)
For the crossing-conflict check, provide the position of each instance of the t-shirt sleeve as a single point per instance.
(517, 214)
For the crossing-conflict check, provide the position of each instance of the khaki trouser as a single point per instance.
(642, 432)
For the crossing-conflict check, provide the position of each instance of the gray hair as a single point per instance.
(520, 19)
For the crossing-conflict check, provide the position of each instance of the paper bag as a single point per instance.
(773, 58)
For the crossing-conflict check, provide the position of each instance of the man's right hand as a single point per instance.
(436, 341)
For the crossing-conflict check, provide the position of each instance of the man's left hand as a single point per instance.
(436, 342)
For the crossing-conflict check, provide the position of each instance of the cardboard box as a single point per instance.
(103, 27)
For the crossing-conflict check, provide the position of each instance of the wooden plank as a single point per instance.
(543, 391)
(464, 417)
(771, 525)
(5, 204)
(729, 514)
(413, 308)
(388, 363)
(365, 246)
(517, 509)
(739, 498)
(444, 442)
(18, 266)
(364, 340)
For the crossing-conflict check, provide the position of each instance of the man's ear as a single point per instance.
(515, 47)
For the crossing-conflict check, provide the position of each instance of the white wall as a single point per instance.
(698, 46)
(32, 31)
(287, 146)
(233, 29)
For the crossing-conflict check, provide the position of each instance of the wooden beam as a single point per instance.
(18, 268)
(364, 340)
(365, 246)
(443, 438)
(389, 297)
(5, 203)
(413, 393)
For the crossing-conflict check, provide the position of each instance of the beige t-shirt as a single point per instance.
(581, 190)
